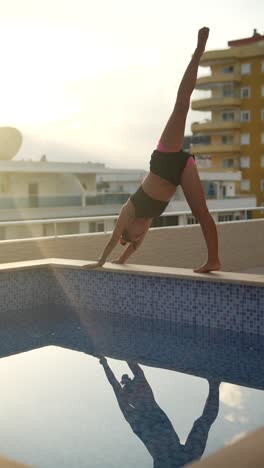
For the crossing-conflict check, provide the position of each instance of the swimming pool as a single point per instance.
(61, 407)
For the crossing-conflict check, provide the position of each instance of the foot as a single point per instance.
(202, 38)
(208, 266)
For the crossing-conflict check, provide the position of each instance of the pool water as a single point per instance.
(194, 390)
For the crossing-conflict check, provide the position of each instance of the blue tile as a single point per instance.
(224, 306)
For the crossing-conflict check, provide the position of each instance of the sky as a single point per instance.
(96, 80)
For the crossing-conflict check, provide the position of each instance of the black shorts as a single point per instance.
(169, 166)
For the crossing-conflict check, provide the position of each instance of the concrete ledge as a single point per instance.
(219, 300)
(143, 270)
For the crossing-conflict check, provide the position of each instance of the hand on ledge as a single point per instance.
(91, 266)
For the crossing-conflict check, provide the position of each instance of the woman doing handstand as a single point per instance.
(170, 166)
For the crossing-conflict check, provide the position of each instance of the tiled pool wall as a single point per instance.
(25, 288)
(227, 306)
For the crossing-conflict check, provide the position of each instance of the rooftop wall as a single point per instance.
(240, 245)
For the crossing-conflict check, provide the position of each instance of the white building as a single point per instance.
(46, 190)
(42, 190)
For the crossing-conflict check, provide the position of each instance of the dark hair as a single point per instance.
(125, 238)
(125, 235)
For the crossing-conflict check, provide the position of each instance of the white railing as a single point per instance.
(55, 221)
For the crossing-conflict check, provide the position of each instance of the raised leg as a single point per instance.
(197, 439)
(194, 194)
(173, 135)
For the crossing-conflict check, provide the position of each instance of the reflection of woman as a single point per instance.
(170, 166)
(147, 420)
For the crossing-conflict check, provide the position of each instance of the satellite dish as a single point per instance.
(10, 142)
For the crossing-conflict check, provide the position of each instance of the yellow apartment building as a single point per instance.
(235, 130)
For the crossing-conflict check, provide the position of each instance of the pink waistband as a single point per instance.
(190, 162)
(163, 148)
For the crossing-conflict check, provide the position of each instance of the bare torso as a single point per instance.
(158, 188)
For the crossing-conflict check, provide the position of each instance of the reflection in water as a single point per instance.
(228, 357)
(147, 420)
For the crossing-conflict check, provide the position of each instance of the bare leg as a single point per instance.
(197, 439)
(194, 194)
(173, 134)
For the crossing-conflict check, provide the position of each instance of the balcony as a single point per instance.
(231, 55)
(9, 202)
(215, 126)
(217, 80)
(215, 148)
(212, 103)
(223, 176)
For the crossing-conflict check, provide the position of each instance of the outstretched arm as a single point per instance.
(132, 247)
(110, 375)
(118, 229)
(135, 368)
(126, 409)
(173, 135)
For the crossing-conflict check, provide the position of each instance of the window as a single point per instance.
(227, 139)
(227, 163)
(47, 230)
(245, 116)
(203, 161)
(92, 227)
(245, 69)
(262, 161)
(227, 116)
(33, 192)
(245, 184)
(245, 92)
(165, 221)
(228, 69)
(227, 91)
(103, 186)
(96, 227)
(244, 138)
(68, 228)
(244, 162)
(226, 217)
(100, 227)
(191, 220)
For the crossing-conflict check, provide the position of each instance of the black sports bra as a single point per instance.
(147, 207)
